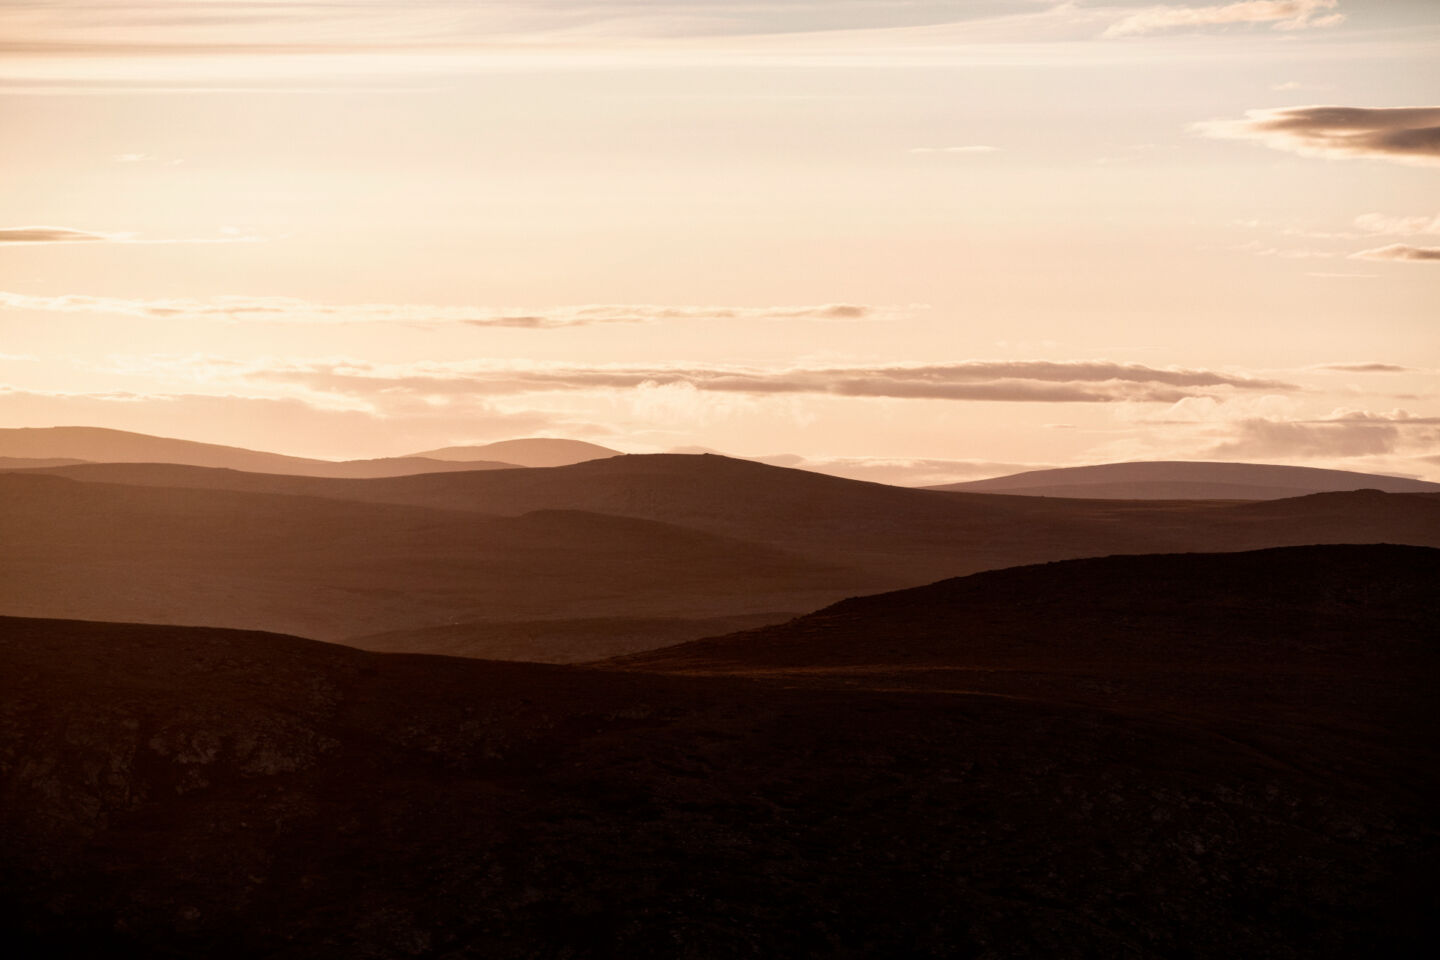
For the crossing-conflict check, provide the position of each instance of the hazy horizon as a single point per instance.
(955, 239)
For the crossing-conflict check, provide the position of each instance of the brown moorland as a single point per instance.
(1244, 767)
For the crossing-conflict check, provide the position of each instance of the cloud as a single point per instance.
(974, 148)
(1290, 253)
(1282, 14)
(1400, 251)
(18, 235)
(53, 235)
(1005, 381)
(1402, 134)
(1404, 417)
(1366, 367)
(1277, 438)
(1344, 433)
(1378, 224)
(293, 310)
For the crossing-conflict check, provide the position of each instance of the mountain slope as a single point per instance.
(900, 536)
(1300, 651)
(529, 452)
(1231, 607)
(332, 569)
(95, 444)
(37, 463)
(1194, 480)
(557, 641)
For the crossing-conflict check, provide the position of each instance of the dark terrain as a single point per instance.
(1172, 756)
(558, 641)
(640, 537)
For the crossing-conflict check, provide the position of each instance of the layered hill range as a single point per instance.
(1207, 756)
(1187, 480)
(24, 447)
(571, 562)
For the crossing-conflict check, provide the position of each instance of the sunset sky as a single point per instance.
(909, 241)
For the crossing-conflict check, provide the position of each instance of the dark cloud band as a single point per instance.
(50, 235)
(1402, 134)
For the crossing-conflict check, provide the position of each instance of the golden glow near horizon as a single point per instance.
(921, 242)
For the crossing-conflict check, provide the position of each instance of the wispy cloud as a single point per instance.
(54, 235)
(1345, 433)
(1379, 224)
(206, 45)
(1400, 251)
(1036, 381)
(31, 235)
(974, 148)
(1281, 14)
(293, 310)
(1402, 134)
(1256, 248)
(1365, 367)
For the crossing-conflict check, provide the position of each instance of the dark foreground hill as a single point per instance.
(1292, 647)
(558, 641)
(203, 793)
(1187, 480)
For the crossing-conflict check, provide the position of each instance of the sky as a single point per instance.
(914, 242)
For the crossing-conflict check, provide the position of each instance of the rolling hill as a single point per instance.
(1187, 480)
(527, 452)
(901, 536)
(331, 569)
(1006, 765)
(557, 641)
(99, 445)
(1263, 610)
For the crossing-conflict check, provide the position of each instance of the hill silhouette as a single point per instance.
(900, 536)
(331, 568)
(527, 452)
(1261, 603)
(1187, 480)
(35, 463)
(557, 641)
(99, 445)
(194, 792)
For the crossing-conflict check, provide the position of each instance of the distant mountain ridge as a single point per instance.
(1187, 480)
(47, 445)
(525, 452)
(331, 568)
(639, 536)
